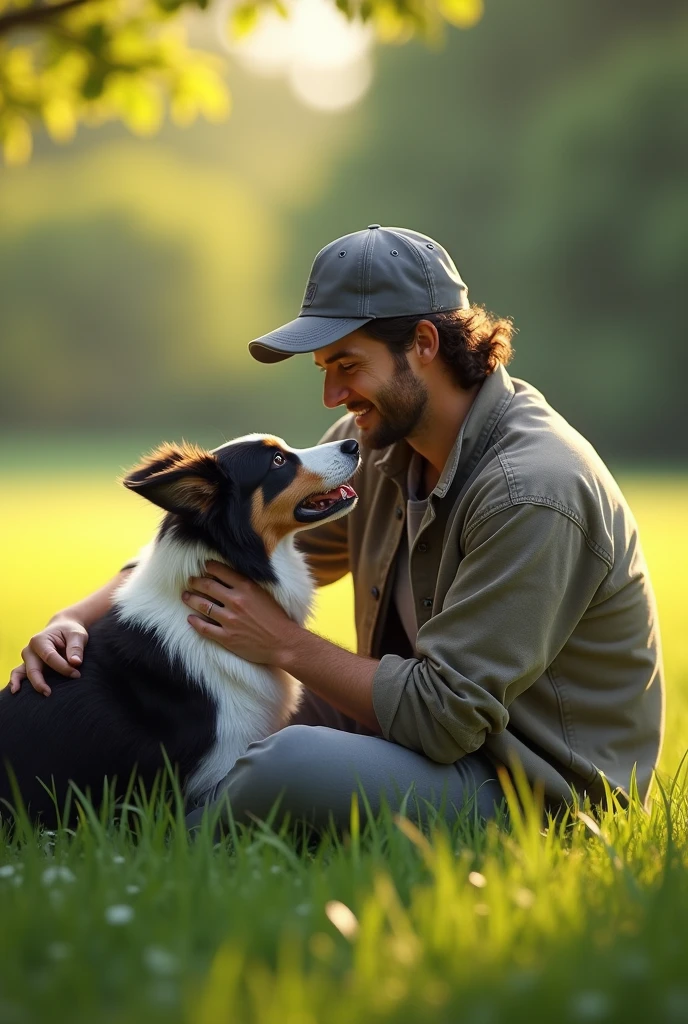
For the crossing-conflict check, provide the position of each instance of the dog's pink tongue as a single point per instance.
(344, 491)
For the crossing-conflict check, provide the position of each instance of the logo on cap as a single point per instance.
(311, 289)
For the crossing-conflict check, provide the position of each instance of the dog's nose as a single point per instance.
(350, 447)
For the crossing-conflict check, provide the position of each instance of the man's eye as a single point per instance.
(279, 459)
(347, 367)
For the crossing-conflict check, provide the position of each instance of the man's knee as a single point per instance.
(278, 767)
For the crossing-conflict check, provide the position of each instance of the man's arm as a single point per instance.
(343, 679)
(61, 644)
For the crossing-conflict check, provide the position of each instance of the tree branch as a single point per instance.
(34, 15)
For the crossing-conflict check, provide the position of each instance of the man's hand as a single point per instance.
(60, 646)
(244, 618)
(248, 621)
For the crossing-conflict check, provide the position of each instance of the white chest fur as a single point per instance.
(252, 701)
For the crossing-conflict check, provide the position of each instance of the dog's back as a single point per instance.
(128, 705)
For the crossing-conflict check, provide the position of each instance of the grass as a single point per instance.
(584, 920)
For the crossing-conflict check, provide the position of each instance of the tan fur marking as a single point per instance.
(194, 492)
(174, 455)
(270, 441)
(274, 521)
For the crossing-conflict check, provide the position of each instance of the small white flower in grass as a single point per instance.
(304, 909)
(119, 914)
(59, 951)
(132, 890)
(591, 1005)
(342, 918)
(119, 859)
(478, 880)
(57, 874)
(17, 881)
(524, 898)
(7, 870)
(276, 869)
(160, 961)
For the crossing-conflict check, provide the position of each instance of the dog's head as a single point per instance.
(243, 498)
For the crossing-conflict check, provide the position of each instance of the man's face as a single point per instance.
(388, 398)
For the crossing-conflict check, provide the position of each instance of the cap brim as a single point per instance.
(305, 334)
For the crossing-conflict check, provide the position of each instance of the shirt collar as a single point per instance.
(488, 407)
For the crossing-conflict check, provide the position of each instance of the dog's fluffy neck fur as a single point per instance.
(252, 700)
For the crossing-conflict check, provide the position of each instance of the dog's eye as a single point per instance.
(279, 459)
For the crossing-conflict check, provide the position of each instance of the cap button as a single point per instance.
(371, 226)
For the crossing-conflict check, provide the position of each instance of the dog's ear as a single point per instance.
(182, 479)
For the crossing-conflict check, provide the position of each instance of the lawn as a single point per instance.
(580, 921)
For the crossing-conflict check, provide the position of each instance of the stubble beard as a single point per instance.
(400, 404)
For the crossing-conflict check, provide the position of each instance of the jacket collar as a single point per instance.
(489, 406)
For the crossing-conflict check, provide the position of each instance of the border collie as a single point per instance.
(149, 681)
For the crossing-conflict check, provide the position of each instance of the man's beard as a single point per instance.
(400, 404)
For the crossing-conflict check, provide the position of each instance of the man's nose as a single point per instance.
(334, 394)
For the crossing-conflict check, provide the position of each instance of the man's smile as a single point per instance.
(361, 411)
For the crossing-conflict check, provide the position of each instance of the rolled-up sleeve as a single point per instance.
(526, 578)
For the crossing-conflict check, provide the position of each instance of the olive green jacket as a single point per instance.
(537, 629)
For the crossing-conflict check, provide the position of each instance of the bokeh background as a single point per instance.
(546, 148)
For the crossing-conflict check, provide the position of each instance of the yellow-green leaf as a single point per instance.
(462, 13)
(243, 20)
(60, 118)
(17, 141)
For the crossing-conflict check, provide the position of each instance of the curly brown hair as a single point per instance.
(473, 342)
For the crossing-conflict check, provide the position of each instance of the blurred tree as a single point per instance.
(65, 61)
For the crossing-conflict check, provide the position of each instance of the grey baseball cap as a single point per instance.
(357, 278)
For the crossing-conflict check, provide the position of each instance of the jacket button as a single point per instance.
(375, 592)
(427, 602)
(399, 512)
(422, 546)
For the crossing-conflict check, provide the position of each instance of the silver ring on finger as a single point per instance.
(209, 613)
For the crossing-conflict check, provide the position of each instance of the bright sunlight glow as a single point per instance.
(325, 59)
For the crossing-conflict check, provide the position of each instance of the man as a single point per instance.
(503, 608)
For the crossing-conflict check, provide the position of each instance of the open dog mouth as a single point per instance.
(319, 506)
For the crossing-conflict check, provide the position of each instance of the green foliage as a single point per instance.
(99, 60)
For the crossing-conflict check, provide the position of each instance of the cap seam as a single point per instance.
(418, 256)
(368, 272)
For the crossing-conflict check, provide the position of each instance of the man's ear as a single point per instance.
(181, 479)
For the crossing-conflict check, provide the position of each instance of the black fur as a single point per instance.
(129, 703)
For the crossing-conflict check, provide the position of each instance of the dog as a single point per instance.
(151, 687)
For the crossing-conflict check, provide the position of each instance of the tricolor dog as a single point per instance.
(149, 681)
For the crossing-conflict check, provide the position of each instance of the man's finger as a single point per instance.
(34, 673)
(76, 640)
(217, 592)
(45, 649)
(16, 676)
(225, 574)
(206, 606)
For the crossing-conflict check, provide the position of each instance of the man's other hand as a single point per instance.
(60, 646)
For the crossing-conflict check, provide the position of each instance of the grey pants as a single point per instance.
(315, 764)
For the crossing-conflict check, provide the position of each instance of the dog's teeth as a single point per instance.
(342, 492)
